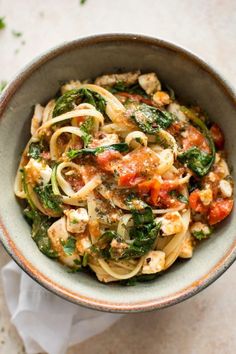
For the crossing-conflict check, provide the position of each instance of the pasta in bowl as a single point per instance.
(120, 178)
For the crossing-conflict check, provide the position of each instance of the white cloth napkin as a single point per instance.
(44, 321)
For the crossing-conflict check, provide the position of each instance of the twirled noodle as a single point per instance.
(122, 226)
(82, 194)
(64, 185)
(110, 270)
(47, 113)
(136, 138)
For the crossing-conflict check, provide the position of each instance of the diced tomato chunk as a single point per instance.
(195, 138)
(217, 136)
(196, 203)
(129, 179)
(219, 210)
(105, 158)
(152, 187)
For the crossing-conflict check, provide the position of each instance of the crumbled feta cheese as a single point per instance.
(171, 223)
(150, 83)
(174, 108)
(82, 244)
(200, 230)
(206, 196)
(38, 172)
(187, 248)
(154, 262)
(226, 188)
(77, 220)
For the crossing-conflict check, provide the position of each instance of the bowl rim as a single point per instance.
(216, 271)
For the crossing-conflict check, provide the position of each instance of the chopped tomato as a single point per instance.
(217, 136)
(137, 98)
(219, 210)
(129, 180)
(105, 158)
(152, 187)
(80, 119)
(195, 138)
(166, 200)
(196, 203)
(175, 128)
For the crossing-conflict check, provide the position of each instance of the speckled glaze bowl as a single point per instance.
(194, 81)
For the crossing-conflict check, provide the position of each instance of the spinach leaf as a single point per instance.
(71, 98)
(198, 161)
(40, 224)
(151, 119)
(3, 84)
(69, 246)
(142, 241)
(121, 147)
(48, 198)
(87, 128)
(193, 184)
(179, 196)
(133, 89)
(2, 23)
(201, 235)
(34, 151)
(141, 212)
(139, 278)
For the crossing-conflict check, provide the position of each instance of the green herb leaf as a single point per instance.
(40, 224)
(133, 89)
(70, 99)
(121, 147)
(16, 33)
(179, 196)
(82, 2)
(87, 127)
(198, 161)
(151, 119)
(69, 246)
(201, 235)
(2, 23)
(48, 198)
(34, 151)
(141, 212)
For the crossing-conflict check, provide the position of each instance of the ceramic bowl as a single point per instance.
(194, 81)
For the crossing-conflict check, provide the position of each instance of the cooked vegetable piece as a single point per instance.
(40, 224)
(72, 98)
(122, 147)
(48, 198)
(198, 161)
(151, 119)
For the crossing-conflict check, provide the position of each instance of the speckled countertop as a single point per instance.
(206, 323)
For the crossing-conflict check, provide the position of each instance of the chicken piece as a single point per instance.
(127, 79)
(187, 248)
(38, 172)
(154, 262)
(200, 230)
(226, 188)
(58, 236)
(171, 223)
(77, 220)
(161, 98)
(206, 196)
(71, 85)
(150, 83)
(37, 118)
(174, 108)
(82, 244)
(104, 139)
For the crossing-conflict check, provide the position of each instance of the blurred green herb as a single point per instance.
(3, 84)
(16, 33)
(2, 23)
